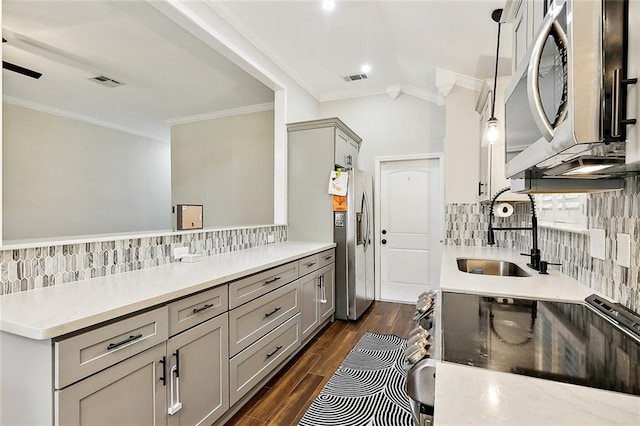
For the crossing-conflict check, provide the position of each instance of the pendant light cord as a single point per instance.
(495, 74)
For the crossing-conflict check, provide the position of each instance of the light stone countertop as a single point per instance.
(53, 311)
(467, 395)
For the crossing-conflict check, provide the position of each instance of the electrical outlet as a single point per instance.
(623, 250)
(180, 252)
(597, 243)
(271, 238)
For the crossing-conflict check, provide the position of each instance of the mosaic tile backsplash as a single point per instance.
(615, 212)
(30, 268)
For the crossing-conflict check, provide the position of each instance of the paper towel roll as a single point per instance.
(503, 210)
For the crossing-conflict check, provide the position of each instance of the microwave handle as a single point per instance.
(533, 88)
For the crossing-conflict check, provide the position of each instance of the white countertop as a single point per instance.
(467, 395)
(53, 311)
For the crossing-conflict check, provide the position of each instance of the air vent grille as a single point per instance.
(106, 81)
(355, 77)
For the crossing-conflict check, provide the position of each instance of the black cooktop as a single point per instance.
(565, 342)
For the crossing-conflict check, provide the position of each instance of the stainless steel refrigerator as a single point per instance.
(353, 234)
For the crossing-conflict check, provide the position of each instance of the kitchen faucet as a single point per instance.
(535, 251)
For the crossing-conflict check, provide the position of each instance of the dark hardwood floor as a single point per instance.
(285, 398)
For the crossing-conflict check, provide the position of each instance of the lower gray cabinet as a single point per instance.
(128, 393)
(326, 292)
(198, 374)
(184, 381)
(317, 300)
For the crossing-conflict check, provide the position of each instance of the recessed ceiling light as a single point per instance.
(328, 4)
(365, 68)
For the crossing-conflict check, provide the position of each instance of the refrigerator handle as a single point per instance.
(367, 215)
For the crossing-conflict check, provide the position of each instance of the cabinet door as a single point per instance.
(352, 154)
(342, 142)
(326, 299)
(198, 372)
(128, 393)
(484, 183)
(520, 35)
(309, 303)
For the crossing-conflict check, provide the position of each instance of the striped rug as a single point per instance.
(368, 389)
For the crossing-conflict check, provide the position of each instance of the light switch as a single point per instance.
(596, 243)
(623, 250)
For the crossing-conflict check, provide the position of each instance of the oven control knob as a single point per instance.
(418, 340)
(419, 330)
(417, 355)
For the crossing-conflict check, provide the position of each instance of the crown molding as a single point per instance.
(221, 114)
(469, 82)
(78, 117)
(392, 90)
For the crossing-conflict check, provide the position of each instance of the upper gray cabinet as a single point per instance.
(346, 150)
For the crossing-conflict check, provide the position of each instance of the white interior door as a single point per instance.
(411, 221)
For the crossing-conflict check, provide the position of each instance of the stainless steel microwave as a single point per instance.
(566, 106)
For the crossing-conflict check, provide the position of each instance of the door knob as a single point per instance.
(384, 232)
(384, 241)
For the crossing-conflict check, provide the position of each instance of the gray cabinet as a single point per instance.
(346, 150)
(314, 150)
(317, 299)
(128, 393)
(198, 374)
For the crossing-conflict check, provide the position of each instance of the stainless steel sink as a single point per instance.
(491, 267)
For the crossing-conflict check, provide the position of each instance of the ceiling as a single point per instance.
(403, 41)
(170, 74)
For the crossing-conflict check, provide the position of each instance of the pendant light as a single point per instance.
(493, 130)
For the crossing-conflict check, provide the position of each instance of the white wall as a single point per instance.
(63, 177)
(462, 146)
(406, 125)
(226, 164)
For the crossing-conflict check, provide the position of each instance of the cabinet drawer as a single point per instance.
(326, 257)
(253, 320)
(190, 311)
(253, 364)
(247, 289)
(308, 264)
(87, 353)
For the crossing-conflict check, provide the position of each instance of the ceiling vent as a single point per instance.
(355, 77)
(106, 81)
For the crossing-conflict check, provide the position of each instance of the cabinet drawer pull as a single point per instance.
(273, 280)
(130, 339)
(310, 264)
(268, 314)
(328, 257)
(207, 306)
(274, 352)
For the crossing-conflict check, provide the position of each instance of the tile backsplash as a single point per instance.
(615, 212)
(29, 268)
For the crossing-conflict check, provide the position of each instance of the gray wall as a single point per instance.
(225, 164)
(388, 127)
(64, 177)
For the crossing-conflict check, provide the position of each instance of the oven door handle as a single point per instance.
(533, 87)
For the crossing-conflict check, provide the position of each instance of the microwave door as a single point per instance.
(547, 78)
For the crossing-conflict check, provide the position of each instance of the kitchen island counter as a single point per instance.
(54, 311)
(472, 395)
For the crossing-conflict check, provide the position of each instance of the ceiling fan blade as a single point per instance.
(21, 70)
